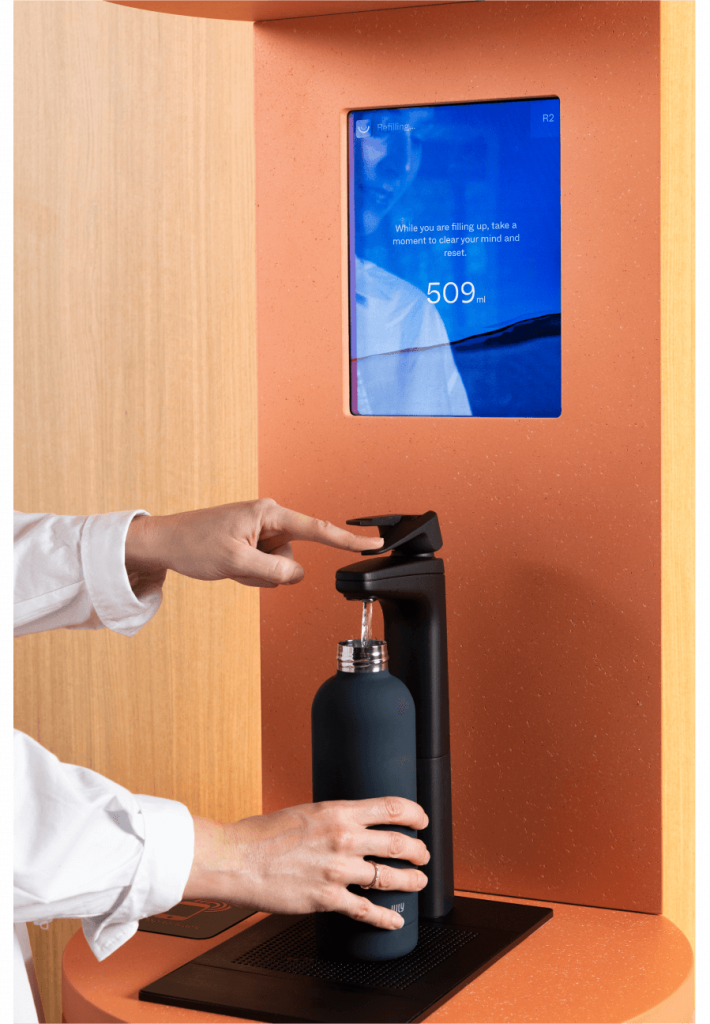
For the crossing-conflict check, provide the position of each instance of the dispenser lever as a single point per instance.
(407, 535)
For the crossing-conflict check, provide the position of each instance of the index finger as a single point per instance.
(303, 527)
(390, 810)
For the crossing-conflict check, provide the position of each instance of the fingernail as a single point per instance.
(399, 924)
(422, 880)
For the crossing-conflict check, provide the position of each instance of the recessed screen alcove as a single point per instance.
(454, 254)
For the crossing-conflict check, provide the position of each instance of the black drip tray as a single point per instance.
(293, 951)
(272, 972)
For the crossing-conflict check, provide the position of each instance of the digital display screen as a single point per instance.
(454, 224)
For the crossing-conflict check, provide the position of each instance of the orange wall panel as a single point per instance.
(551, 527)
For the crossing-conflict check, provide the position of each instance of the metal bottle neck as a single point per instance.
(362, 656)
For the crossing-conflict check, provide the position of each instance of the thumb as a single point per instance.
(271, 569)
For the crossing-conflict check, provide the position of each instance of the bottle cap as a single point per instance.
(362, 656)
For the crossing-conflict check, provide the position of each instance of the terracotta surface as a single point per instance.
(585, 965)
(551, 527)
(268, 10)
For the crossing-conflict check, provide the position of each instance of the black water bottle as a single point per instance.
(364, 745)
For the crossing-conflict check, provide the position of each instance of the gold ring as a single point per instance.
(373, 883)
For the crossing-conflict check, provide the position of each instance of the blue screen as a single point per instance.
(455, 260)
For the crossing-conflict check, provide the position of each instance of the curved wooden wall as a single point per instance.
(135, 364)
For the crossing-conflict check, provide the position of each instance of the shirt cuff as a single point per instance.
(103, 553)
(160, 880)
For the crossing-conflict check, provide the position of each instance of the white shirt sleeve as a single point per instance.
(70, 573)
(86, 847)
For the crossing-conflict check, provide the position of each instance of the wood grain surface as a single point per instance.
(135, 365)
(678, 457)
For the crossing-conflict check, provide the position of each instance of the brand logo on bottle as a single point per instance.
(398, 907)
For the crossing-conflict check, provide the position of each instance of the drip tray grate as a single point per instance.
(293, 951)
(271, 971)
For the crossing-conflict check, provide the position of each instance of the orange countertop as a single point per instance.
(585, 965)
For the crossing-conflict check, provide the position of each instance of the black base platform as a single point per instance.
(271, 971)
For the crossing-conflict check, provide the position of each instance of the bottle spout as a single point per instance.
(362, 656)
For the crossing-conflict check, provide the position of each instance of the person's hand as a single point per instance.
(302, 859)
(248, 541)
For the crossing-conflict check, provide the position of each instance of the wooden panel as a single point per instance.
(270, 10)
(551, 528)
(678, 457)
(135, 369)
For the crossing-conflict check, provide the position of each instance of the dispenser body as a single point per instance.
(364, 745)
(411, 592)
